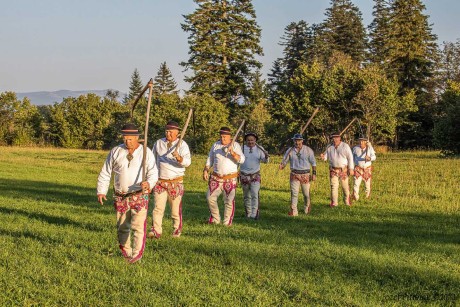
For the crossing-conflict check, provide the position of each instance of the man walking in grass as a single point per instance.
(172, 158)
(223, 157)
(250, 174)
(363, 155)
(340, 167)
(131, 196)
(303, 170)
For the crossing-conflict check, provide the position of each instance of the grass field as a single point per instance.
(401, 247)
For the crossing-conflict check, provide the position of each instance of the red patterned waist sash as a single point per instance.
(134, 200)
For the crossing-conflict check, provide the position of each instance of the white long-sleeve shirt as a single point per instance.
(359, 156)
(167, 165)
(300, 160)
(127, 175)
(222, 163)
(253, 157)
(340, 156)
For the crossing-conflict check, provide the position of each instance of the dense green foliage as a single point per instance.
(447, 127)
(400, 248)
(19, 121)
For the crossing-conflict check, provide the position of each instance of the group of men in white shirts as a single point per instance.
(163, 172)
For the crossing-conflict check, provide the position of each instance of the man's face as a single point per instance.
(250, 141)
(131, 141)
(225, 139)
(171, 135)
(298, 143)
(336, 140)
(363, 143)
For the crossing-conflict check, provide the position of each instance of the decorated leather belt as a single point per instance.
(247, 174)
(225, 177)
(177, 179)
(125, 195)
(300, 172)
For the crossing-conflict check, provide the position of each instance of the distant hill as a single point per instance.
(44, 98)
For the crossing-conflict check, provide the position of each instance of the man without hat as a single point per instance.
(303, 170)
(363, 155)
(171, 162)
(224, 158)
(340, 167)
(131, 196)
(250, 174)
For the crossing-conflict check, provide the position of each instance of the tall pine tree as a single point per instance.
(164, 81)
(224, 39)
(379, 31)
(135, 87)
(343, 30)
(412, 54)
(297, 41)
(412, 49)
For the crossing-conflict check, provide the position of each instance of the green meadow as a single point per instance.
(399, 248)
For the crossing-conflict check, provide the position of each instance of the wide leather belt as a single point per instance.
(300, 172)
(124, 195)
(177, 179)
(225, 177)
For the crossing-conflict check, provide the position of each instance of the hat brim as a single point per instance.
(171, 127)
(251, 134)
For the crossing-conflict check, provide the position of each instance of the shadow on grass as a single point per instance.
(49, 192)
(28, 234)
(51, 219)
(367, 227)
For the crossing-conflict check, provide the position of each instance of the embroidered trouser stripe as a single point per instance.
(177, 222)
(229, 202)
(176, 211)
(139, 226)
(124, 233)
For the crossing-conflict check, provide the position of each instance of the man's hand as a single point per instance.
(145, 185)
(101, 198)
(351, 172)
(367, 158)
(313, 177)
(205, 175)
(281, 166)
(177, 156)
(323, 157)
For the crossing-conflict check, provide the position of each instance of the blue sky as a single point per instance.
(50, 45)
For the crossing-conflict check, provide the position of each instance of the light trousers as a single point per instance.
(176, 212)
(251, 199)
(214, 191)
(367, 186)
(295, 187)
(335, 182)
(136, 222)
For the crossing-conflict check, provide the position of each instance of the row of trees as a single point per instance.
(391, 76)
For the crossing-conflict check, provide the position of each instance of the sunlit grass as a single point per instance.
(401, 247)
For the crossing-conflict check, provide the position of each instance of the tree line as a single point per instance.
(392, 76)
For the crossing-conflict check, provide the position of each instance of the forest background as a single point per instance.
(391, 75)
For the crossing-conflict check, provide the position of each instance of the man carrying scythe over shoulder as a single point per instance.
(131, 196)
(224, 157)
(173, 156)
(340, 167)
